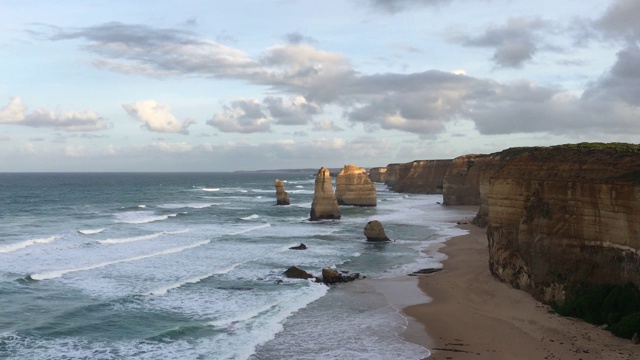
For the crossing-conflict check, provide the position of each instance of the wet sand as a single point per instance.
(474, 316)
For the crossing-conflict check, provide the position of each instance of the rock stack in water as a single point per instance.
(324, 205)
(353, 187)
(375, 232)
(282, 197)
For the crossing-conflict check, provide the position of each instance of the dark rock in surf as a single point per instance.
(299, 247)
(297, 273)
(333, 276)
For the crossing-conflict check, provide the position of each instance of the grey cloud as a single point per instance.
(326, 125)
(295, 112)
(621, 20)
(296, 38)
(242, 116)
(610, 105)
(396, 6)
(515, 43)
(622, 82)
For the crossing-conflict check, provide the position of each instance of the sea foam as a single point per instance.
(58, 273)
(23, 244)
(90, 231)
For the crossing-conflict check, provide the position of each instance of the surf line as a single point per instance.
(58, 273)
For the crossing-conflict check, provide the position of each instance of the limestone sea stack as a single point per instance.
(282, 197)
(353, 187)
(324, 205)
(374, 231)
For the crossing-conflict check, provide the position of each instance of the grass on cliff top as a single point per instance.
(617, 306)
(584, 146)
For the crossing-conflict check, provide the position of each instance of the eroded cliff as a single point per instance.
(378, 174)
(563, 217)
(461, 184)
(421, 176)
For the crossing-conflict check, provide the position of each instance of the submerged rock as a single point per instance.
(299, 247)
(282, 197)
(324, 205)
(375, 232)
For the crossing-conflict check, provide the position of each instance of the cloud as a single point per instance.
(157, 51)
(609, 105)
(172, 148)
(157, 117)
(297, 38)
(620, 20)
(396, 6)
(14, 112)
(422, 103)
(72, 121)
(242, 116)
(297, 111)
(514, 43)
(326, 125)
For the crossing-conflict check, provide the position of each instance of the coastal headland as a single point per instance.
(560, 221)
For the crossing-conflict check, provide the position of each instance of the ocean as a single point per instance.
(189, 266)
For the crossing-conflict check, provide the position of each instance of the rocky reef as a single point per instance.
(282, 197)
(563, 218)
(378, 174)
(353, 187)
(324, 205)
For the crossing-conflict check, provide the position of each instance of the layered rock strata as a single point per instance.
(564, 217)
(353, 187)
(461, 185)
(391, 175)
(421, 176)
(282, 197)
(378, 174)
(324, 205)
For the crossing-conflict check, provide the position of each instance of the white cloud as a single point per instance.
(13, 112)
(326, 125)
(75, 151)
(166, 147)
(72, 121)
(157, 117)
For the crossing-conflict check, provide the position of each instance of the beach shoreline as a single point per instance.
(472, 315)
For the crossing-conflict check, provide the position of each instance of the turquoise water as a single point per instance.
(189, 266)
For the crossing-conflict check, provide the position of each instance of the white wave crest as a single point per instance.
(250, 229)
(194, 280)
(58, 273)
(141, 217)
(243, 317)
(250, 217)
(142, 237)
(90, 231)
(210, 189)
(23, 244)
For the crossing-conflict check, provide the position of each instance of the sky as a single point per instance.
(195, 85)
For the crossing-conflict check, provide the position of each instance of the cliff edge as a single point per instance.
(563, 217)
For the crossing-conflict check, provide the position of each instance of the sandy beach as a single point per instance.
(474, 316)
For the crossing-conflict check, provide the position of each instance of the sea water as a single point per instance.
(189, 266)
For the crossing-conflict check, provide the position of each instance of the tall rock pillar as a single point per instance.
(324, 205)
